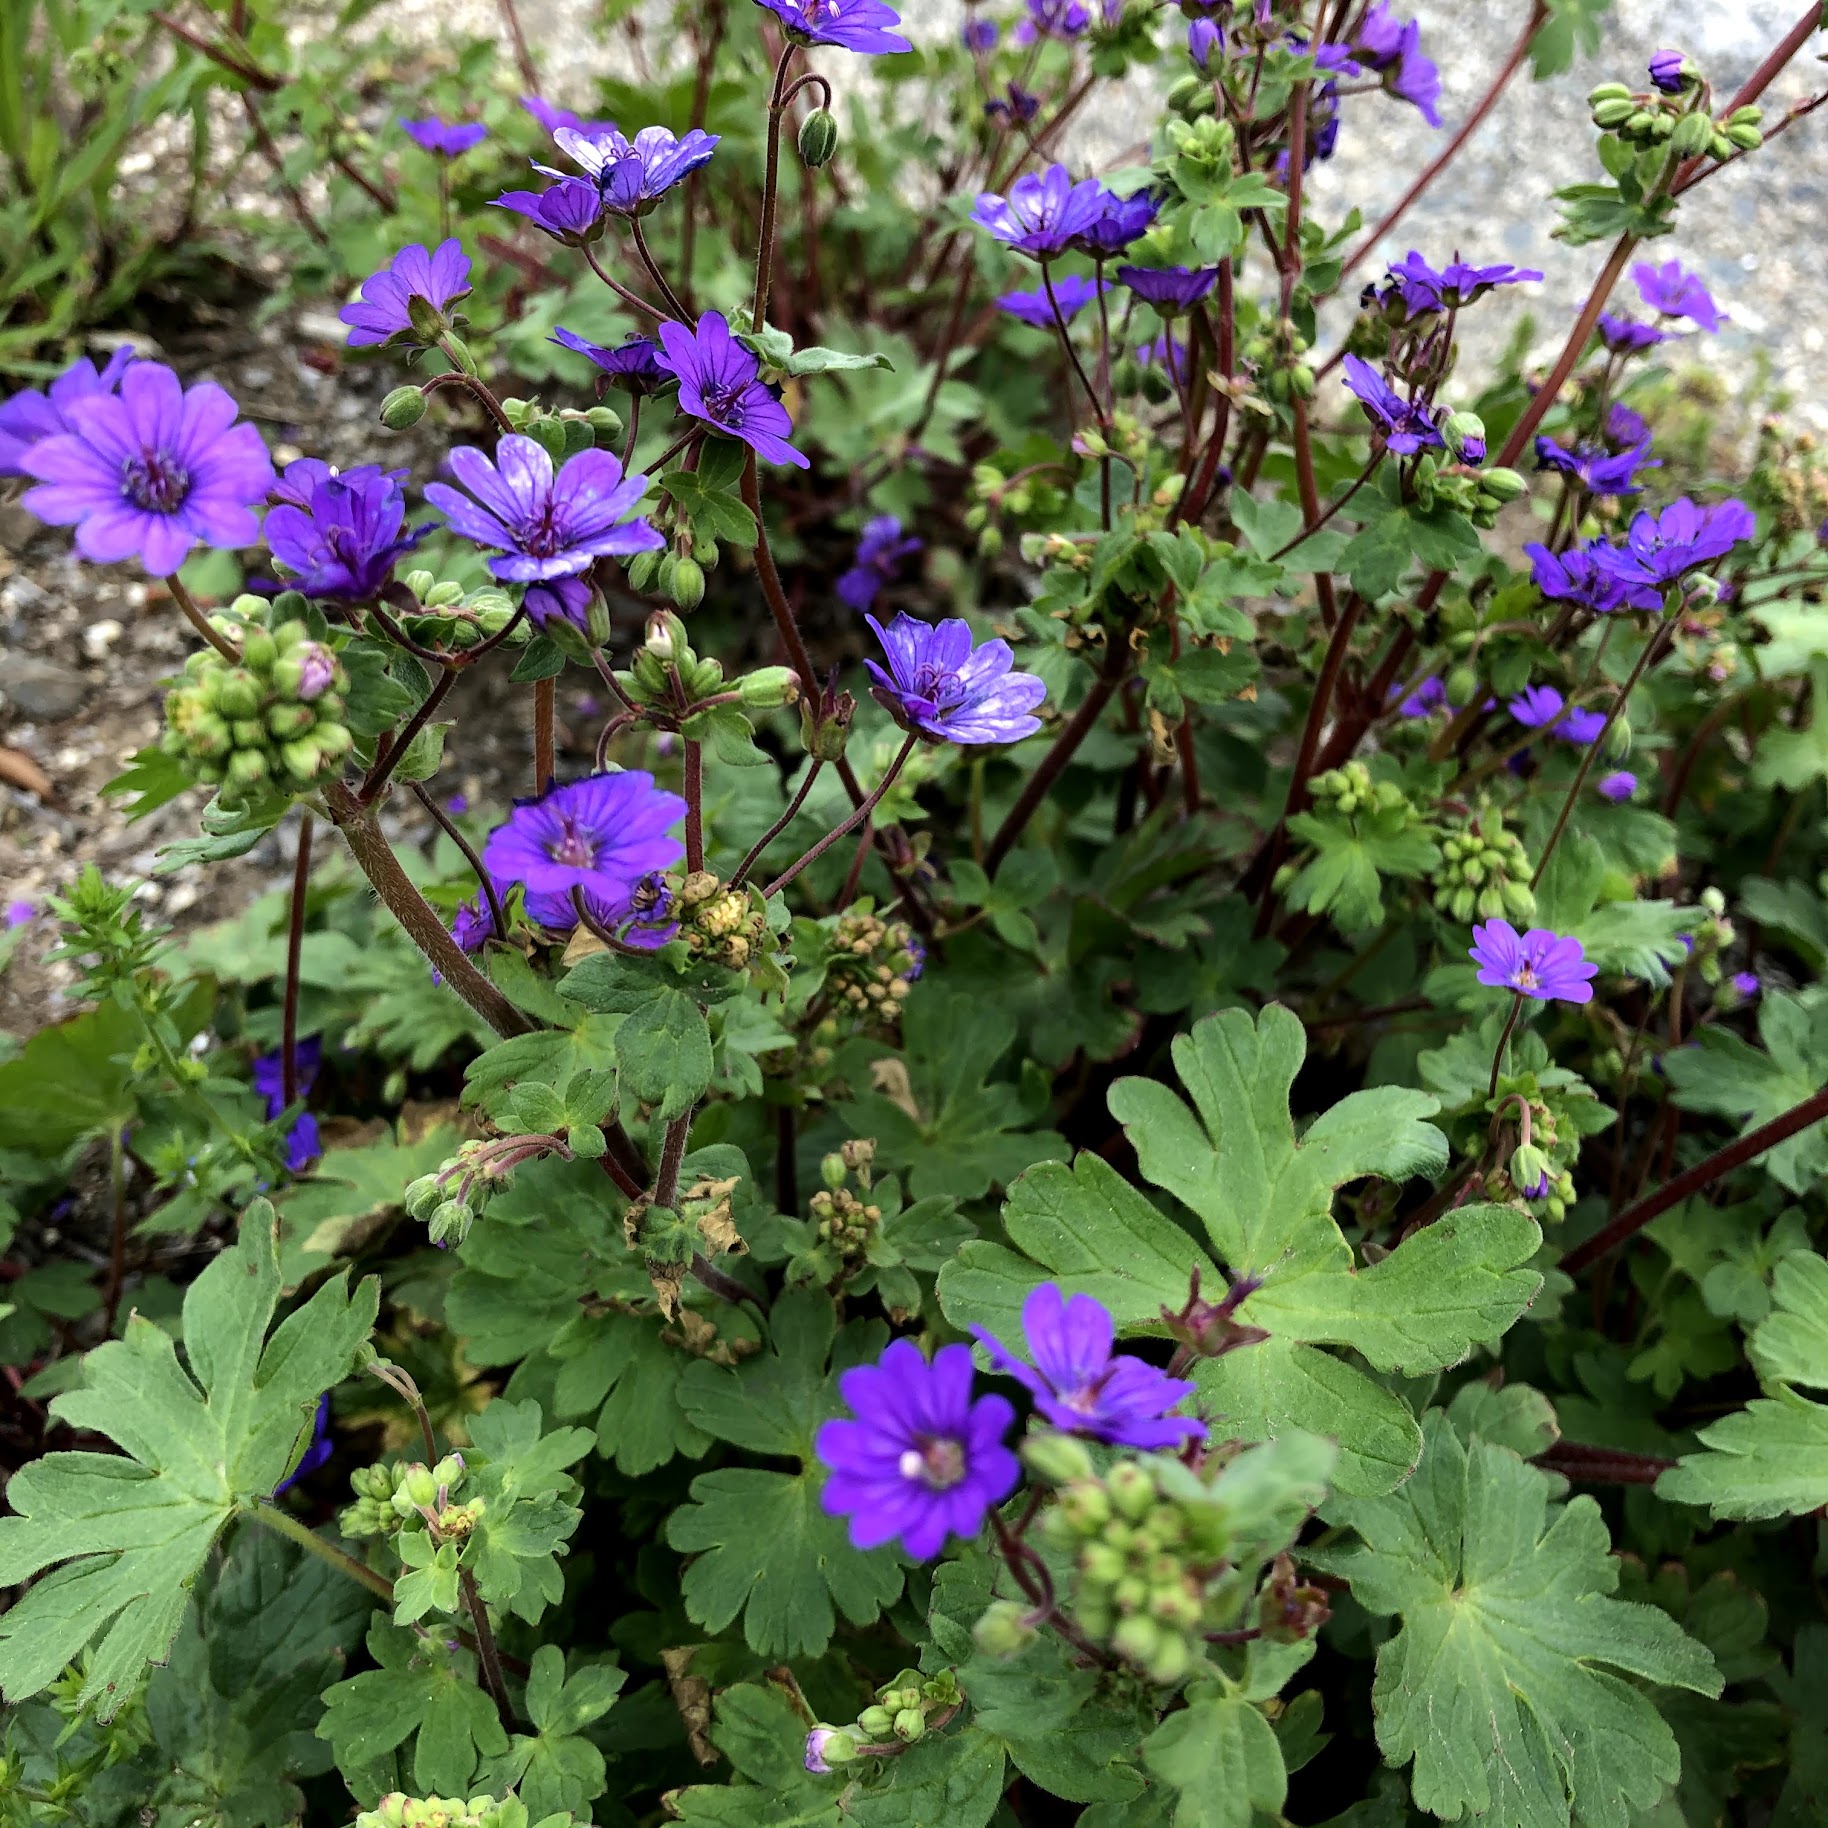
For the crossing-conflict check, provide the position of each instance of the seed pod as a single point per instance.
(1690, 135)
(1745, 138)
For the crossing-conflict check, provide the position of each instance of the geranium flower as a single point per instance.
(150, 471)
(439, 277)
(719, 383)
(937, 684)
(922, 1461)
(1538, 964)
(602, 835)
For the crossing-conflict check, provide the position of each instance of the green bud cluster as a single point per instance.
(1484, 873)
(410, 1495)
(1274, 354)
(451, 617)
(872, 965)
(1648, 118)
(1713, 937)
(1478, 493)
(905, 1709)
(400, 1811)
(269, 722)
(1150, 1549)
(668, 649)
(450, 1199)
(566, 432)
(1350, 790)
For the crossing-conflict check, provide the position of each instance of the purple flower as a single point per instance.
(1581, 726)
(560, 600)
(979, 35)
(150, 471)
(1021, 104)
(922, 1461)
(937, 684)
(1052, 19)
(1406, 426)
(20, 913)
(1574, 577)
(1623, 426)
(1537, 707)
(1331, 59)
(642, 918)
(382, 312)
(1080, 1387)
(1671, 292)
(1119, 221)
(1619, 786)
(1626, 336)
(1412, 77)
(302, 1145)
(1043, 211)
(1537, 964)
(1379, 38)
(632, 175)
(1205, 41)
(1430, 696)
(552, 119)
(1171, 353)
(1072, 291)
(457, 805)
(1171, 290)
(1666, 71)
(1598, 471)
(879, 555)
(633, 365)
(345, 538)
(718, 383)
(302, 475)
(447, 139)
(29, 415)
(317, 1450)
(850, 25)
(546, 524)
(603, 835)
(1745, 983)
(1423, 291)
(1660, 548)
(570, 211)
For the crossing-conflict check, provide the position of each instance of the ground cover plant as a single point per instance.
(1137, 1138)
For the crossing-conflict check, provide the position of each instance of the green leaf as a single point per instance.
(955, 1779)
(1352, 856)
(529, 1505)
(619, 1366)
(716, 514)
(1266, 1202)
(1222, 1755)
(131, 1533)
(664, 1047)
(70, 1081)
(154, 779)
(556, 1768)
(1771, 1458)
(1499, 1684)
(764, 1738)
(350, 1191)
(765, 1546)
(817, 360)
(540, 659)
(423, 1691)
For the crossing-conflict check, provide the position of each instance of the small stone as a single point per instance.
(42, 690)
(322, 327)
(99, 637)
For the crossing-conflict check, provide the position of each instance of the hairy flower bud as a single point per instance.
(403, 408)
(818, 138)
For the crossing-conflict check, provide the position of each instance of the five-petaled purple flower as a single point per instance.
(1043, 212)
(879, 555)
(719, 383)
(317, 1450)
(570, 211)
(937, 684)
(1574, 577)
(978, 35)
(1422, 290)
(1406, 426)
(340, 535)
(631, 176)
(1666, 70)
(150, 471)
(446, 138)
(1671, 292)
(1080, 1386)
(1537, 707)
(1597, 470)
(849, 25)
(603, 835)
(29, 415)
(439, 277)
(922, 1461)
(302, 1144)
(1171, 290)
(1071, 290)
(1618, 786)
(546, 523)
(1539, 964)
(1626, 336)
(1659, 548)
(633, 365)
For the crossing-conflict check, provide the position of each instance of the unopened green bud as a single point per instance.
(303, 757)
(769, 688)
(248, 732)
(1057, 1458)
(1502, 485)
(1462, 686)
(688, 583)
(238, 693)
(285, 721)
(449, 1471)
(1131, 1489)
(247, 768)
(420, 1488)
(876, 1722)
(1519, 900)
(259, 650)
(910, 1724)
(1137, 1639)
(1745, 139)
(1691, 135)
(1607, 92)
(1004, 1630)
(334, 740)
(1618, 739)
(1614, 111)
(832, 1171)
(818, 138)
(403, 408)
(1639, 122)
(605, 421)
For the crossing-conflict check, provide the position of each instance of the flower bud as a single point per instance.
(666, 638)
(420, 1488)
(259, 650)
(1607, 92)
(818, 138)
(1462, 683)
(1614, 111)
(1529, 1171)
(1745, 138)
(876, 1722)
(1131, 1489)
(287, 721)
(1691, 135)
(827, 1746)
(1503, 485)
(769, 688)
(688, 583)
(247, 768)
(403, 408)
(237, 693)
(605, 421)
(1004, 1630)
(448, 1473)
(1618, 739)
(1057, 1458)
(1465, 436)
(910, 1723)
